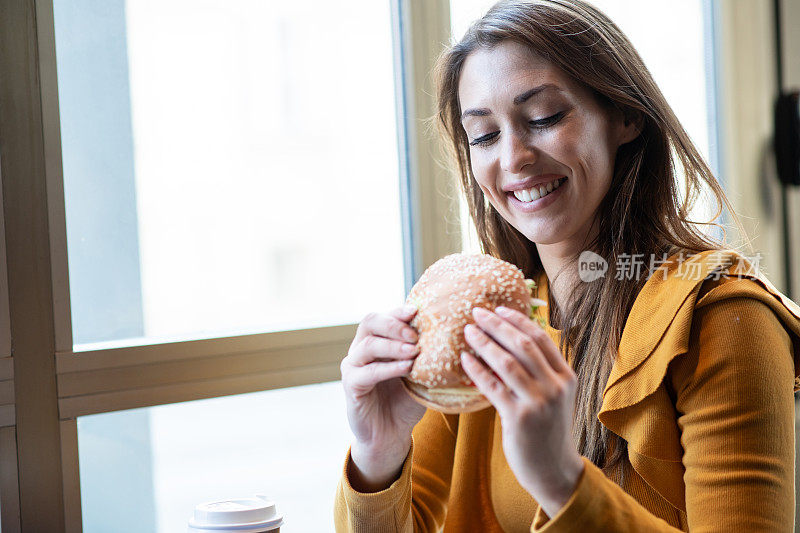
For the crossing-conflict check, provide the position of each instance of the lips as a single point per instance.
(534, 193)
(538, 204)
(533, 181)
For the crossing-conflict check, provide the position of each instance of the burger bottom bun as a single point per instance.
(451, 401)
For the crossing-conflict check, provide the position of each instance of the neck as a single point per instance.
(555, 260)
(558, 259)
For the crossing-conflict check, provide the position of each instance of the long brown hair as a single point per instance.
(643, 212)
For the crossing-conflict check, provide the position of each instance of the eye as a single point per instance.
(539, 124)
(484, 140)
(544, 123)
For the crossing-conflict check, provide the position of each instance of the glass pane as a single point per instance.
(680, 66)
(144, 470)
(229, 167)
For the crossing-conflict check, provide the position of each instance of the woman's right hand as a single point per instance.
(380, 412)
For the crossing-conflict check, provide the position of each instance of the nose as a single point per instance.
(515, 153)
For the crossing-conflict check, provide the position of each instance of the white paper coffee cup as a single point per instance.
(239, 515)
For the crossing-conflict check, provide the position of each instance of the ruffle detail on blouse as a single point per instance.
(636, 403)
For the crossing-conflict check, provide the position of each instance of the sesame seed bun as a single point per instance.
(445, 295)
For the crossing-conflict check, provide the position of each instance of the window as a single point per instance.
(220, 174)
(231, 210)
(289, 444)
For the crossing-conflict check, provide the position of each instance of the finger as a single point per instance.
(507, 367)
(489, 385)
(515, 341)
(375, 348)
(549, 349)
(404, 312)
(363, 379)
(392, 325)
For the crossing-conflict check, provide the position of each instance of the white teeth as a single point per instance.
(534, 193)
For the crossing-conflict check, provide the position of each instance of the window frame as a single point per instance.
(5, 319)
(7, 410)
(9, 488)
(111, 379)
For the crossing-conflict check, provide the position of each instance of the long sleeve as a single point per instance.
(733, 391)
(400, 508)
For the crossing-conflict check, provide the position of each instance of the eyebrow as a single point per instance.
(519, 99)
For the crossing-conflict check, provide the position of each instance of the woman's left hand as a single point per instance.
(533, 392)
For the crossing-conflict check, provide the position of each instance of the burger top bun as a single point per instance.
(445, 295)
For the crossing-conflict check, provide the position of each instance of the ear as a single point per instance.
(630, 125)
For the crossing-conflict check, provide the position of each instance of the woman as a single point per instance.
(672, 407)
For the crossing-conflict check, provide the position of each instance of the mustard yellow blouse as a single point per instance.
(702, 391)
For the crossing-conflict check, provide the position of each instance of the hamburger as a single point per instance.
(445, 295)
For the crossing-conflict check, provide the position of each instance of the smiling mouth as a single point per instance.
(534, 193)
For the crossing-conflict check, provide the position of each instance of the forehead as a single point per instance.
(505, 70)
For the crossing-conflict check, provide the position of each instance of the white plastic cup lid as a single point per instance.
(239, 515)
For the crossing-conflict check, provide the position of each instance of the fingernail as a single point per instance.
(410, 348)
(410, 335)
(408, 309)
(503, 311)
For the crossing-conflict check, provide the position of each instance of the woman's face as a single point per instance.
(530, 125)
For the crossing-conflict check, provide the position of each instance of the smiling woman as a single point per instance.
(522, 140)
(646, 392)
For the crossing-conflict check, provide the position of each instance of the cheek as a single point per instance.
(479, 162)
(566, 144)
(481, 170)
(592, 152)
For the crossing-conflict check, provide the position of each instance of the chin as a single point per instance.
(543, 236)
